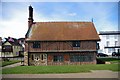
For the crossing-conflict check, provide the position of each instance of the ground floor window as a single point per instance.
(32, 57)
(81, 57)
(110, 50)
(38, 57)
(58, 58)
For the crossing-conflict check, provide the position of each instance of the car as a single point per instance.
(102, 55)
(115, 54)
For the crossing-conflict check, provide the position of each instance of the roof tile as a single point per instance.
(45, 31)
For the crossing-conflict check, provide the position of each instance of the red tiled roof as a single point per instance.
(45, 31)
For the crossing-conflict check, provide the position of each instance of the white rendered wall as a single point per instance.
(111, 40)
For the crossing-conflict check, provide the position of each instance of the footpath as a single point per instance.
(12, 65)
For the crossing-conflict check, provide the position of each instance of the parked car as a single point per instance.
(102, 55)
(115, 54)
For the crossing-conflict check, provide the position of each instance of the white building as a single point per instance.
(109, 42)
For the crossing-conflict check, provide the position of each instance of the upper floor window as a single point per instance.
(7, 48)
(116, 43)
(98, 47)
(36, 44)
(115, 36)
(76, 43)
(107, 43)
(107, 36)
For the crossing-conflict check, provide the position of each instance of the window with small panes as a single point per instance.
(76, 43)
(36, 44)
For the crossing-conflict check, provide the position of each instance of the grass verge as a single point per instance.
(59, 69)
(5, 63)
(112, 60)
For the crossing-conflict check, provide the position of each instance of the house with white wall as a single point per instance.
(109, 42)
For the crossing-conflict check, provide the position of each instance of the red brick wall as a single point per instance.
(84, 45)
(62, 45)
(67, 59)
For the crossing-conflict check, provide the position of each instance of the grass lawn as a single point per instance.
(59, 69)
(112, 60)
(63, 68)
(5, 63)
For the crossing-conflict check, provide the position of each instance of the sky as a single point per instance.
(14, 18)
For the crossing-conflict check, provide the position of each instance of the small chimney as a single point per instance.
(30, 19)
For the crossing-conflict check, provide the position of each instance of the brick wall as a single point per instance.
(62, 45)
(84, 45)
(66, 59)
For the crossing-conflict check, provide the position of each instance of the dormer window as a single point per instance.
(36, 44)
(76, 43)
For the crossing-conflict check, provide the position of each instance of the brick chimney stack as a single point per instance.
(30, 19)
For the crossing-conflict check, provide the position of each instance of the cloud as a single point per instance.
(54, 16)
(102, 14)
(106, 26)
(17, 24)
(72, 14)
(14, 28)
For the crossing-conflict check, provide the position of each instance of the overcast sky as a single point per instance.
(14, 21)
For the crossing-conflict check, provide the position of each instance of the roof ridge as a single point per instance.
(65, 22)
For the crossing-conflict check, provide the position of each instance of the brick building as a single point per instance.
(60, 43)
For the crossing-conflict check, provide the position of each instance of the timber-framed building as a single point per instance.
(60, 43)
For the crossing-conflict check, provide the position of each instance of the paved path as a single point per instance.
(93, 74)
(12, 65)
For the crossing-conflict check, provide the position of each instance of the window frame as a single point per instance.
(81, 57)
(115, 36)
(116, 43)
(42, 57)
(107, 36)
(35, 57)
(107, 43)
(58, 58)
(36, 44)
(97, 46)
(7, 48)
(75, 43)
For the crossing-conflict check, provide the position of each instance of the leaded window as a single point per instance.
(36, 44)
(37, 57)
(81, 57)
(76, 43)
(58, 58)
